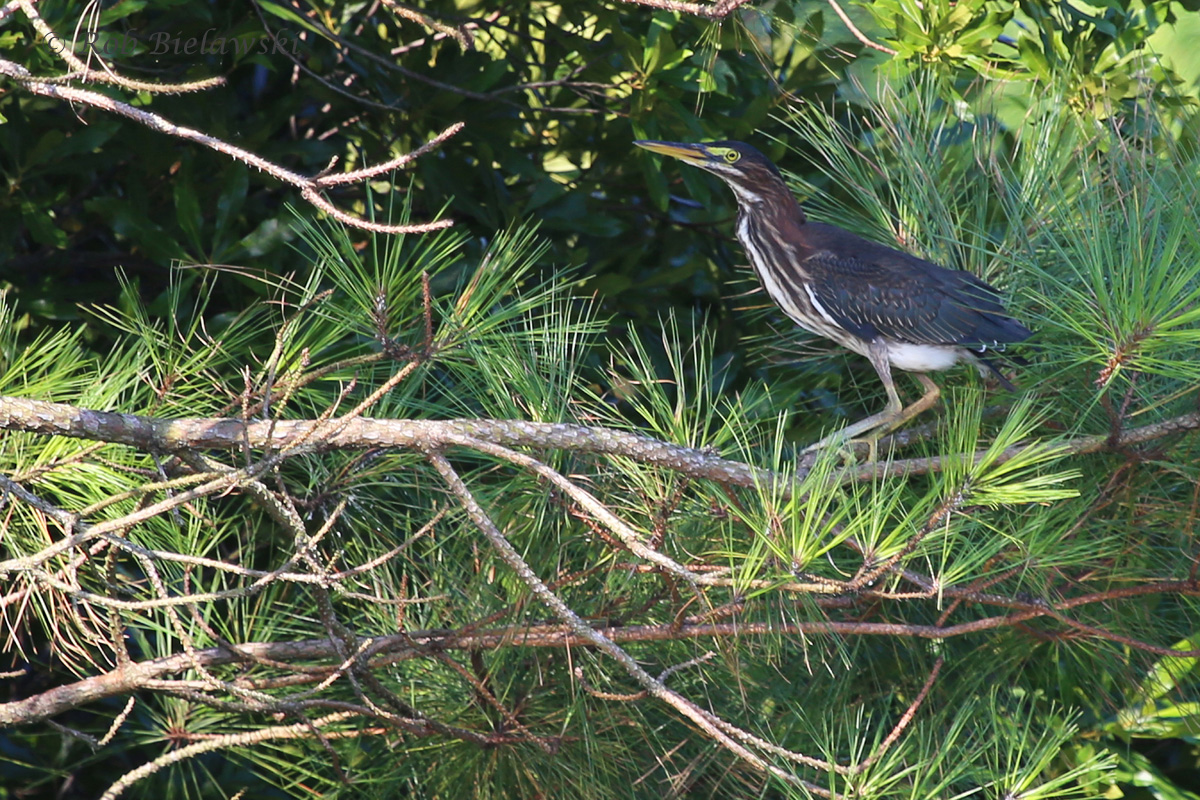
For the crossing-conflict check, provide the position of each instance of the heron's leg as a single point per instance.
(926, 402)
(893, 413)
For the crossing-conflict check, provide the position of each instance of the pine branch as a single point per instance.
(298, 437)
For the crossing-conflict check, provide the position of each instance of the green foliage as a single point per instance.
(1048, 148)
(952, 35)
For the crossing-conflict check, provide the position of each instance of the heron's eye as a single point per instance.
(732, 156)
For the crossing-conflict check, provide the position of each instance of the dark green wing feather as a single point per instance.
(873, 290)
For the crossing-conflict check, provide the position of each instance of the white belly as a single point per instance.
(922, 357)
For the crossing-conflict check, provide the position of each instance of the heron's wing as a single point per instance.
(889, 293)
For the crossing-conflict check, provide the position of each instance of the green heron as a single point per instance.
(894, 308)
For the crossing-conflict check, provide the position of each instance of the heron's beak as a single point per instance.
(696, 154)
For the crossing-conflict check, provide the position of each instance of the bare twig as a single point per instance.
(458, 34)
(718, 10)
(310, 188)
(298, 731)
(862, 37)
(905, 719)
(82, 72)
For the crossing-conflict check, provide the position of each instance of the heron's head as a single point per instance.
(748, 172)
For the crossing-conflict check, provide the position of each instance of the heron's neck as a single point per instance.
(774, 202)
